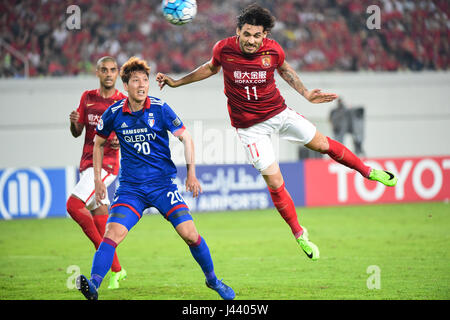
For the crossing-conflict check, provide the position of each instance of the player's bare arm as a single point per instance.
(76, 128)
(192, 184)
(100, 188)
(314, 96)
(204, 71)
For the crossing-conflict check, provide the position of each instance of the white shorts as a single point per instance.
(85, 188)
(288, 124)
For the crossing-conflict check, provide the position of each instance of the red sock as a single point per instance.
(285, 206)
(100, 223)
(77, 210)
(338, 152)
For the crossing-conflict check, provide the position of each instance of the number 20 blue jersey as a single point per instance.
(144, 140)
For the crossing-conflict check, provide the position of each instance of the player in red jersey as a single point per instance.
(81, 204)
(257, 110)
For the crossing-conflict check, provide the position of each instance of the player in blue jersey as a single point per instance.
(141, 124)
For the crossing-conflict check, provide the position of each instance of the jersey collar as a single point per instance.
(115, 96)
(126, 108)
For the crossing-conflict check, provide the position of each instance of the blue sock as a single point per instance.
(103, 259)
(201, 254)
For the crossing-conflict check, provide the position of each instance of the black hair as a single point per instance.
(256, 15)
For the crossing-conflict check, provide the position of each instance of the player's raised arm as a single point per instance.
(314, 96)
(192, 184)
(204, 71)
(100, 188)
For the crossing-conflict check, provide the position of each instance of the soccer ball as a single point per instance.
(179, 11)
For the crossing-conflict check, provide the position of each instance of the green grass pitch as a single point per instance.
(253, 251)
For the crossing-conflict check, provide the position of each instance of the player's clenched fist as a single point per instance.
(74, 116)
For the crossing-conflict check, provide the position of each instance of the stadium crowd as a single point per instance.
(317, 35)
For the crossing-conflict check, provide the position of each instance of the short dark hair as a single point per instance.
(133, 64)
(105, 59)
(256, 15)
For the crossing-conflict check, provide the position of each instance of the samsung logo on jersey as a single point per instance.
(134, 131)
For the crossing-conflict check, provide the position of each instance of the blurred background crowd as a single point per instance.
(317, 35)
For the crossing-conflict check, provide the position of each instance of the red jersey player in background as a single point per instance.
(81, 204)
(257, 110)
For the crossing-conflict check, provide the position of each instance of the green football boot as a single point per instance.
(385, 177)
(116, 277)
(310, 249)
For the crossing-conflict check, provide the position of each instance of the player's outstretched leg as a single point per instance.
(309, 248)
(86, 287)
(338, 152)
(385, 177)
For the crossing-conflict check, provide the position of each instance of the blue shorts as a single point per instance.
(131, 201)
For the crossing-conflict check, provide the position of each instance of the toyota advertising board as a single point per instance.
(419, 179)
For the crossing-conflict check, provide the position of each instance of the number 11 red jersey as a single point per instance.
(249, 80)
